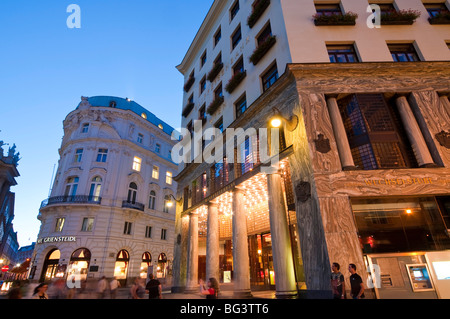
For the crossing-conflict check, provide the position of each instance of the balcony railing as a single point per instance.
(134, 205)
(72, 199)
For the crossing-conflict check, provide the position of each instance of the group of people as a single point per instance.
(153, 287)
(338, 283)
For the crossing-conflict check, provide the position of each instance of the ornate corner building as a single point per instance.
(108, 212)
(364, 170)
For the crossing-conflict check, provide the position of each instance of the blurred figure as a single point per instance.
(137, 290)
(40, 292)
(212, 292)
(101, 287)
(16, 290)
(113, 285)
(58, 289)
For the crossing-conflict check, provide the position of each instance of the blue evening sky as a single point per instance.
(123, 48)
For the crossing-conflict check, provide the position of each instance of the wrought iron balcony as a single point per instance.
(134, 205)
(73, 199)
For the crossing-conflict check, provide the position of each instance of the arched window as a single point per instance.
(146, 265)
(152, 200)
(161, 269)
(167, 203)
(79, 263)
(50, 267)
(71, 186)
(132, 193)
(96, 186)
(121, 266)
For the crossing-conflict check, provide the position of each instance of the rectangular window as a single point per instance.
(140, 138)
(342, 53)
(264, 35)
(88, 224)
(238, 67)
(59, 224)
(217, 36)
(158, 148)
(234, 10)
(78, 155)
(163, 234)
(85, 128)
(203, 59)
(241, 106)
(127, 228)
(375, 134)
(236, 37)
(155, 172)
(269, 78)
(401, 224)
(148, 232)
(137, 161)
(102, 154)
(203, 85)
(202, 114)
(328, 9)
(404, 52)
(218, 93)
(219, 125)
(435, 9)
(169, 178)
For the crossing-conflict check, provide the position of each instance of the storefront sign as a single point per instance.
(56, 239)
(399, 181)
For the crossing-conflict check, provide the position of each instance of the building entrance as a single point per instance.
(262, 274)
(50, 266)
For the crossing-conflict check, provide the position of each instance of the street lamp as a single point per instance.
(170, 203)
(278, 119)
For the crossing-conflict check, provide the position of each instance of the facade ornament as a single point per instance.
(303, 191)
(84, 103)
(444, 139)
(322, 144)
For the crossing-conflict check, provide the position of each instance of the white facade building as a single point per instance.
(109, 212)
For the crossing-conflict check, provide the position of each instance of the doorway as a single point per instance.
(262, 273)
(50, 266)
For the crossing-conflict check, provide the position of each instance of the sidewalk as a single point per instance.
(123, 293)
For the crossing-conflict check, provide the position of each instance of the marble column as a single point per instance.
(192, 258)
(285, 281)
(415, 137)
(241, 261)
(345, 153)
(212, 242)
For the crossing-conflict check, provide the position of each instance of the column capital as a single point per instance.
(212, 203)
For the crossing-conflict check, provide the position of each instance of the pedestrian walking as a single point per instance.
(137, 290)
(357, 286)
(40, 292)
(113, 285)
(337, 282)
(153, 288)
(101, 287)
(212, 292)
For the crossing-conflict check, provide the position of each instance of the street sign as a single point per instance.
(5, 268)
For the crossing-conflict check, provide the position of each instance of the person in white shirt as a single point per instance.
(113, 285)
